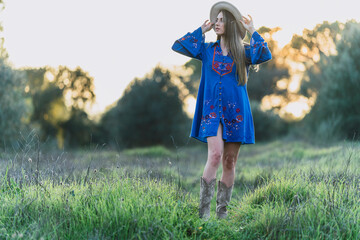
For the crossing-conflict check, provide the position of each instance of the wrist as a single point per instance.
(251, 30)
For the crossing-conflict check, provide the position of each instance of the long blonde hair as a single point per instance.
(235, 44)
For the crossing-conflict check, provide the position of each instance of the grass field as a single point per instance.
(283, 190)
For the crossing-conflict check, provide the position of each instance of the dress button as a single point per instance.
(220, 93)
(219, 87)
(220, 99)
(220, 82)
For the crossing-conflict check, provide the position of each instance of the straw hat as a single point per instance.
(217, 7)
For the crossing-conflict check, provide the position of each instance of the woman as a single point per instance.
(223, 117)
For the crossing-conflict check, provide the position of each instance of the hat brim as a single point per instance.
(217, 7)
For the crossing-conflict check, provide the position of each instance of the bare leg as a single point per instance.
(226, 184)
(231, 152)
(208, 180)
(215, 151)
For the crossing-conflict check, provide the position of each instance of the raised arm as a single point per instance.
(258, 51)
(193, 44)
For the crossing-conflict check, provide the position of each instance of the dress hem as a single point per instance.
(203, 139)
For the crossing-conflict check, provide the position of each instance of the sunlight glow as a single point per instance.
(294, 84)
(326, 46)
(49, 76)
(304, 50)
(272, 101)
(190, 103)
(298, 109)
(282, 84)
(316, 58)
(297, 66)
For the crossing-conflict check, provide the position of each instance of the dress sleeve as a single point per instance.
(257, 52)
(191, 45)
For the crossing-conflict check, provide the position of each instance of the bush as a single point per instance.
(268, 125)
(149, 113)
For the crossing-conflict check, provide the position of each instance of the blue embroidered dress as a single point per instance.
(220, 99)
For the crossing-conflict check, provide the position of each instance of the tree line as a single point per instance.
(52, 101)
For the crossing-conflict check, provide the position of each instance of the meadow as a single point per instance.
(284, 189)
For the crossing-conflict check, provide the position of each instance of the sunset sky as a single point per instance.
(116, 41)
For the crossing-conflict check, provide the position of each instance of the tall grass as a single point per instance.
(110, 208)
(283, 190)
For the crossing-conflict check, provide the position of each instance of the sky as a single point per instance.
(116, 41)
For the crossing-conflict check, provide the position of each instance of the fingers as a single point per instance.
(207, 23)
(250, 19)
(245, 20)
(206, 26)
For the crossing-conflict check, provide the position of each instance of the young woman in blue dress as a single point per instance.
(223, 116)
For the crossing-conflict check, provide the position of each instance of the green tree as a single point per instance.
(13, 108)
(336, 111)
(320, 40)
(79, 130)
(60, 97)
(149, 113)
(311, 48)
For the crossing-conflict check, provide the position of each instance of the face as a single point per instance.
(219, 24)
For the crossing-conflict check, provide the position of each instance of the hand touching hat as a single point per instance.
(248, 24)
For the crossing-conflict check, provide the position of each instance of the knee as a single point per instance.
(215, 157)
(229, 161)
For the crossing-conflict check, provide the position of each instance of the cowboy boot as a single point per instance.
(206, 194)
(222, 199)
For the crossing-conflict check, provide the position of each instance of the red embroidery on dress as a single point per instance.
(232, 119)
(193, 40)
(216, 65)
(212, 115)
(239, 118)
